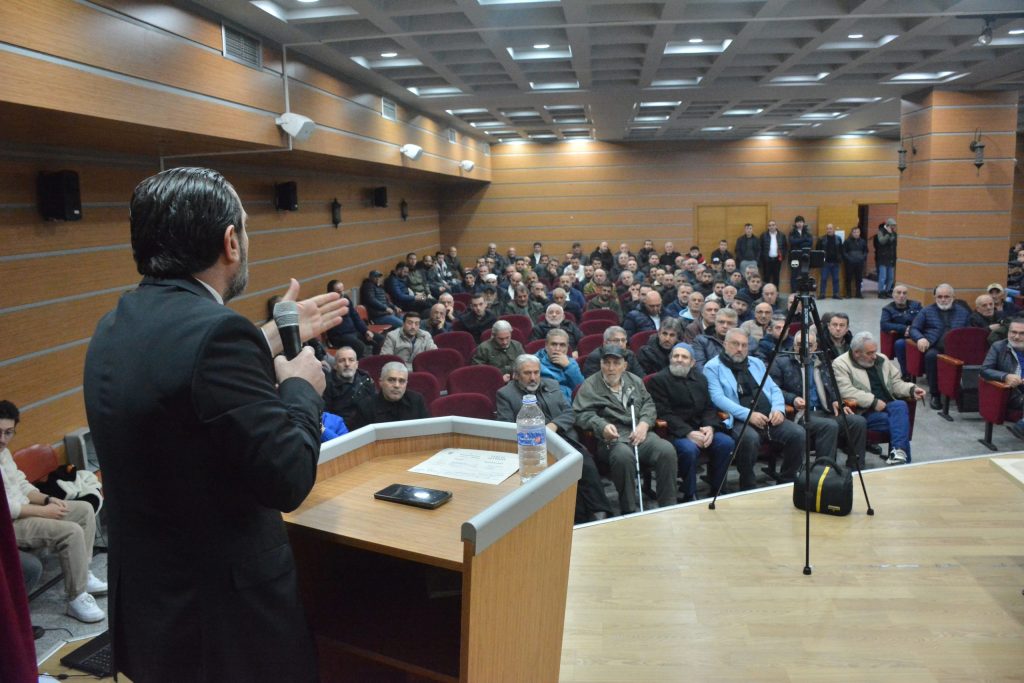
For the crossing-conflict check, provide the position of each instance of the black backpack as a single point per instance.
(831, 488)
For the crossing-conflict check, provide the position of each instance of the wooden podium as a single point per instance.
(472, 591)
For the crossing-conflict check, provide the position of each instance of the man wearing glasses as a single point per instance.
(929, 329)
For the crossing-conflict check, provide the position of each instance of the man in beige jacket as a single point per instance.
(874, 382)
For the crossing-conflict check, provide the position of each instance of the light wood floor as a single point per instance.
(929, 589)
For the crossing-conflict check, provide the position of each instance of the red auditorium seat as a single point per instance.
(464, 405)
(438, 362)
(601, 314)
(371, 365)
(460, 341)
(476, 379)
(426, 385)
(961, 346)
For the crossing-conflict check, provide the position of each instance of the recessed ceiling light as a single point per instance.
(675, 48)
(649, 119)
(716, 129)
(565, 85)
(926, 76)
(858, 100)
(474, 110)
(541, 46)
(743, 112)
(1016, 32)
(800, 78)
(388, 55)
(309, 1)
(660, 105)
(677, 82)
(855, 36)
(696, 41)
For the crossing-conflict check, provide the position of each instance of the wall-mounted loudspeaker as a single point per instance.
(59, 196)
(380, 196)
(286, 196)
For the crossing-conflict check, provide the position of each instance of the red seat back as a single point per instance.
(460, 341)
(464, 405)
(588, 344)
(967, 344)
(887, 343)
(36, 461)
(600, 314)
(534, 346)
(519, 322)
(426, 385)
(463, 297)
(438, 362)
(476, 379)
(915, 360)
(596, 326)
(639, 339)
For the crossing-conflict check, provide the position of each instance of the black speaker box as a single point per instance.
(59, 196)
(286, 196)
(380, 196)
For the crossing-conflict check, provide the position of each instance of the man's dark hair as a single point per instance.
(330, 286)
(9, 411)
(178, 218)
(411, 314)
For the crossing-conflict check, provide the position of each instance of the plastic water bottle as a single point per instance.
(531, 433)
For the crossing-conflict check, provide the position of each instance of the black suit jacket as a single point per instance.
(200, 453)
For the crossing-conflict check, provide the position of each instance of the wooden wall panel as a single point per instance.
(60, 273)
(628, 192)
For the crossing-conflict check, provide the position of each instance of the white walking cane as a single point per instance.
(636, 455)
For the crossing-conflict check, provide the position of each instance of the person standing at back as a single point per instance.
(204, 438)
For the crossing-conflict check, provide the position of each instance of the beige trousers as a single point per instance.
(71, 538)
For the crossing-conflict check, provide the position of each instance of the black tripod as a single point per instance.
(803, 303)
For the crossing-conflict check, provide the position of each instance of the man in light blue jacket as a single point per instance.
(557, 364)
(733, 377)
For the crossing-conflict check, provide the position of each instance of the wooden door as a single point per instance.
(725, 222)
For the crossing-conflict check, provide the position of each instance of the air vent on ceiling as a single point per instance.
(242, 47)
(388, 109)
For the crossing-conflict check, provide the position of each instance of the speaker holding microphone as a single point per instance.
(286, 316)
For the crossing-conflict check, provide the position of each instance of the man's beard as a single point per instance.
(737, 357)
(1016, 346)
(679, 369)
(530, 386)
(347, 374)
(239, 280)
(944, 306)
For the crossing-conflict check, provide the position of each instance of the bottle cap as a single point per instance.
(529, 398)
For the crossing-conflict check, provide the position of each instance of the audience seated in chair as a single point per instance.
(557, 363)
(821, 417)
(438, 322)
(602, 406)
(874, 384)
(710, 344)
(393, 403)
(374, 297)
(68, 528)
(617, 336)
(347, 386)
(733, 377)
(1004, 363)
(352, 331)
(648, 317)
(409, 340)
(654, 355)
(897, 318)
(554, 319)
(500, 351)
(681, 396)
(477, 317)
(928, 328)
(591, 502)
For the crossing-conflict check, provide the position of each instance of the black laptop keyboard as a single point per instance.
(94, 657)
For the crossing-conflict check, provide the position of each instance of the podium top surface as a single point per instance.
(343, 505)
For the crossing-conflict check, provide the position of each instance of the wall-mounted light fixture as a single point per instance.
(411, 151)
(403, 207)
(901, 156)
(336, 213)
(296, 125)
(466, 165)
(978, 147)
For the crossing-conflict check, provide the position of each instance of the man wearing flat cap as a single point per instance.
(603, 406)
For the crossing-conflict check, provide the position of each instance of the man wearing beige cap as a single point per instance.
(1004, 307)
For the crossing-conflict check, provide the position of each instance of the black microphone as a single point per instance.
(286, 317)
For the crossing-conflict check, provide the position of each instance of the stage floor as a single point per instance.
(928, 589)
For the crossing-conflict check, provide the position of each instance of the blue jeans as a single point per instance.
(886, 278)
(688, 452)
(899, 350)
(829, 270)
(895, 420)
(392, 320)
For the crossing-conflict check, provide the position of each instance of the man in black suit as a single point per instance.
(204, 437)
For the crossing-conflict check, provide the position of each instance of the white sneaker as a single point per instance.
(84, 608)
(95, 585)
(897, 456)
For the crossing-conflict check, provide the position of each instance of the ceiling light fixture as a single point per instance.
(541, 46)
(696, 41)
(985, 37)
(388, 55)
(1016, 32)
(855, 36)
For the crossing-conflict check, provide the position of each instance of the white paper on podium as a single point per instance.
(484, 467)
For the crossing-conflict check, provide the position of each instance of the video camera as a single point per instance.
(801, 261)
